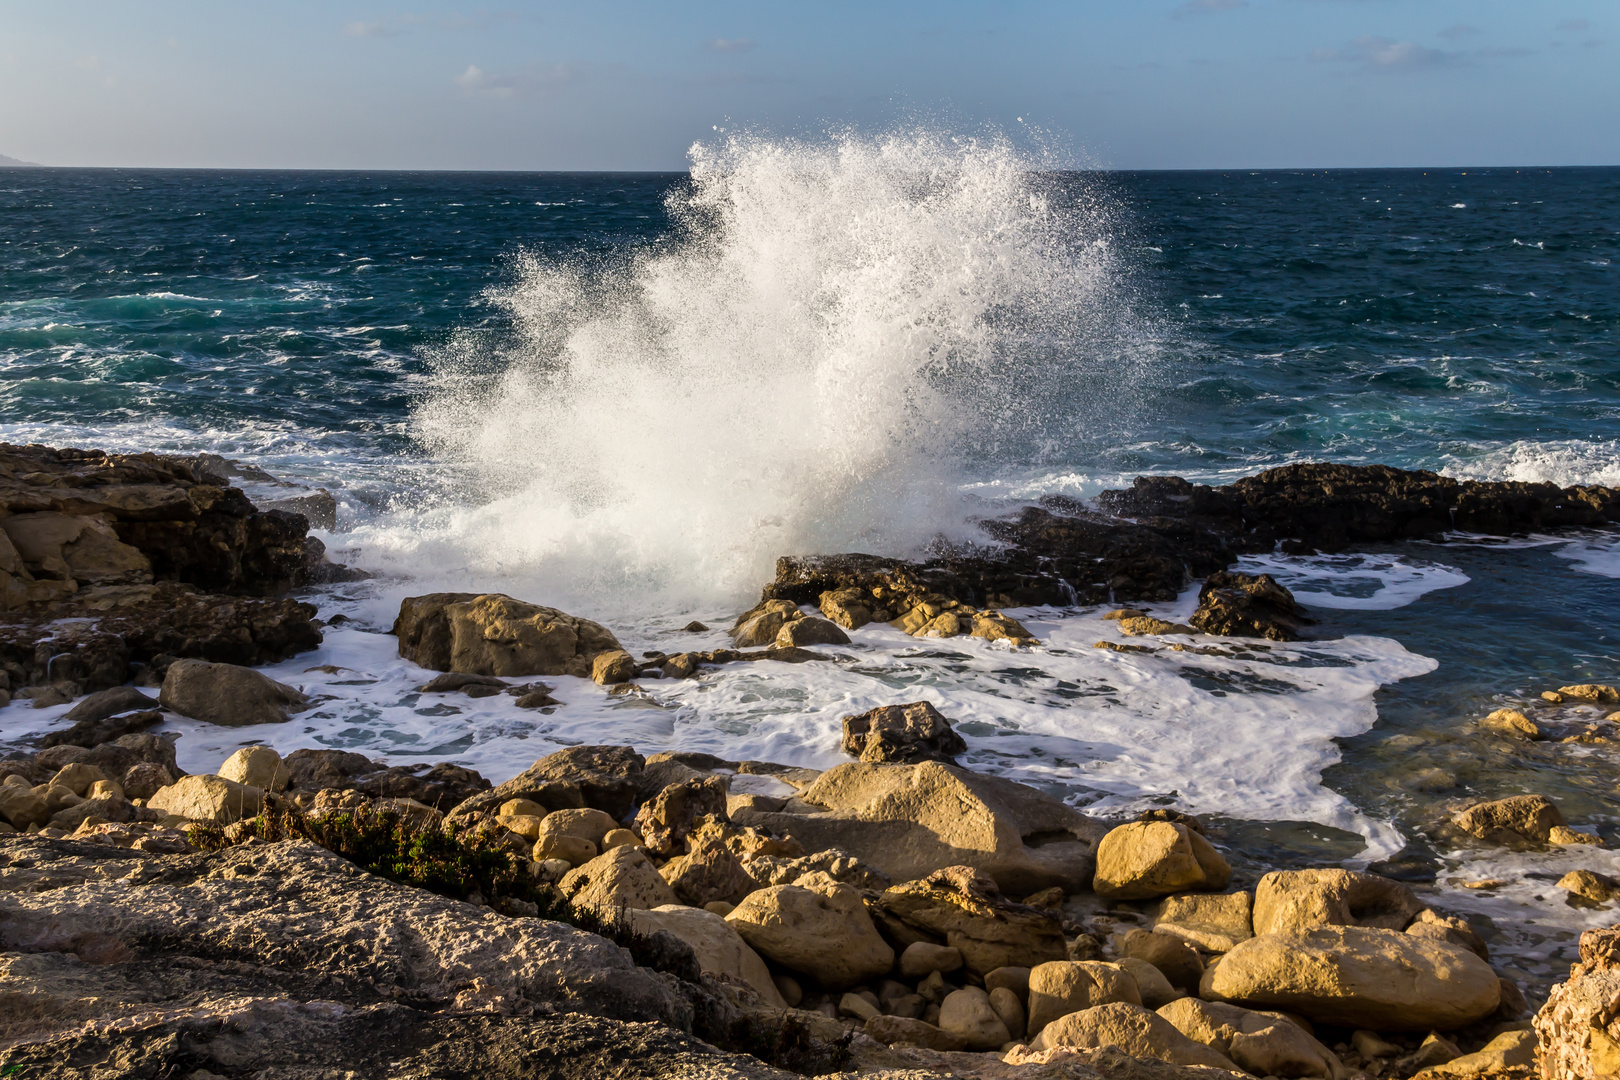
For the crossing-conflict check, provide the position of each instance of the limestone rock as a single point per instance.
(665, 820)
(77, 777)
(1009, 1009)
(493, 634)
(1513, 723)
(1287, 900)
(1358, 977)
(208, 799)
(1248, 605)
(807, 631)
(1596, 692)
(835, 863)
(576, 851)
(1280, 1048)
(587, 824)
(604, 778)
(1061, 987)
(1144, 625)
(1450, 928)
(1147, 859)
(1578, 1031)
(101, 705)
(22, 808)
(1509, 1050)
(1512, 820)
(1132, 1029)
(1596, 887)
(613, 667)
(922, 957)
(966, 1014)
(761, 625)
(902, 1031)
(707, 873)
(908, 734)
(819, 928)
(621, 878)
(256, 766)
(76, 547)
(228, 695)
(848, 607)
(909, 820)
(1214, 923)
(718, 947)
(1174, 958)
(967, 910)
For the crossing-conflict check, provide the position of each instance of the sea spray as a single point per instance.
(831, 332)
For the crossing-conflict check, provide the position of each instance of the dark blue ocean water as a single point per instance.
(1458, 318)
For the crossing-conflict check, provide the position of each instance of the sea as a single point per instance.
(625, 395)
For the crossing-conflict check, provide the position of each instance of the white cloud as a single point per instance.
(540, 78)
(1387, 54)
(732, 44)
(371, 29)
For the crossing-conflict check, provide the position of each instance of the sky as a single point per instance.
(1167, 84)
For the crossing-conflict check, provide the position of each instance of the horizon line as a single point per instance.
(23, 166)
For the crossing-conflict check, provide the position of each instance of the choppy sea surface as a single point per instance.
(626, 394)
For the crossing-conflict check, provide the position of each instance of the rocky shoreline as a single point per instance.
(609, 913)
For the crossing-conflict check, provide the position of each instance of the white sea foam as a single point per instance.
(1356, 582)
(1563, 462)
(1595, 555)
(835, 328)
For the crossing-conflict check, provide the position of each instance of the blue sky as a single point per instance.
(630, 85)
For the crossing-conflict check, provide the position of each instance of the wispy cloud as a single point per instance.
(395, 25)
(1386, 54)
(1206, 7)
(731, 44)
(1459, 31)
(1575, 26)
(537, 78)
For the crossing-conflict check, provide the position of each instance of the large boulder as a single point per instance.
(605, 778)
(665, 820)
(1248, 605)
(1148, 859)
(910, 820)
(1358, 977)
(1264, 1043)
(708, 872)
(720, 950)
(228, 695)
(818, 927)
(1134, 1030)
(1061, 987)
(210, 799)
(493, 634)
(1287, 900)
(966, 1015)
(908, 734)
(1579, 1029)
(1513, 820)
(256, 766)
(966, 909)
(622, 877)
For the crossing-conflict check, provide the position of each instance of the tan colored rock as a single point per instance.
(819, 928)
(1141, 625)
(257, 766)
(909, 820)
(1013, 978)
(621, 878)
(574, 850)
(521, 808)
(228, 694)
(1369, 1045)
(719, 948)
(665, 819)
(909, 734)
(803, 632)
(525, 825)
(921, 957)
(1134, 1030)
(1061, 987)
(1009, 1009)
(209, 799)
(84, 549)
(1212, 922)
(618, 838)
(902, 1031)
(1289, 900)
(994, 626)
(1513, 723)
(493, 634)
(587, 824)
(707, 873)
(1147, 859)
(760, 625)
(1177, 961)
(77, 778)
(613, 667)
(966, 909)
(1211, 1023)
(966, 1014)
(1596, 887)
(1598, 692)
(1449, 928)
(21, 807)
(1563, 834)
(1511, 820)
(1578, 1030)
(1151, 985)
(848, 607)
(1509, 1050)
(1358, 977)
(1280, 1048)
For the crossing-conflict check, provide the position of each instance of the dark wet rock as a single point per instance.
(141, 763)
(105, 703)
(456, 680)
(312, 770)
(319, 507)
(1248, 605)
(695, 627)
(603, 778)
(902, 733)
(88, 733)
(442, 786)
(493, 634)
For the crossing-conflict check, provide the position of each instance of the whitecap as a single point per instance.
(1355, 582)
